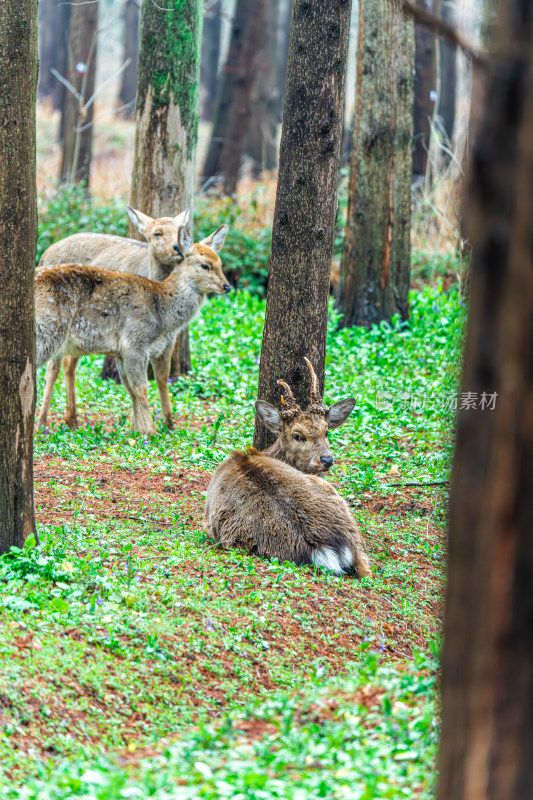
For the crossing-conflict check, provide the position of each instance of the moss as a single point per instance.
(169, 62)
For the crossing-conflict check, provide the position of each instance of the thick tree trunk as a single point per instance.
(261, 143)
(167, 117)
(425, 90)
(48, 41)
(376, 264)
(487, 688)
(306, 202)
(210, 59)
(447, 74)
(128, 83)
(82, 46)
(18, 233)
(232, 113)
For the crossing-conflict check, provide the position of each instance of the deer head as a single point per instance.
(164, 235)
(303, 435)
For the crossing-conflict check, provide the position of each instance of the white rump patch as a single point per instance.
(336, 562)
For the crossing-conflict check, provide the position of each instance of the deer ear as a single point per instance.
(217, 239)
(185, 240)
(339, 412)
(141, 221)
(183, 218)
(269, 416)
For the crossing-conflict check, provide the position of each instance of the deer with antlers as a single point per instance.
(275, 504)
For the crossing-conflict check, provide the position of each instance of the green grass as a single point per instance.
(127, 629)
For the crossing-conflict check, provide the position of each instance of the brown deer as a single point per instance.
(274, 504)
(155, 261)
(82, 309)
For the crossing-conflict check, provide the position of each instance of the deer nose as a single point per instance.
(226, 288)
(177, 248)
(326, 461)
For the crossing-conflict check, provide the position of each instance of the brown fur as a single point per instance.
(273, 504)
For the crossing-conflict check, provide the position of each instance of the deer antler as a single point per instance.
(316, 406)
(289, 406)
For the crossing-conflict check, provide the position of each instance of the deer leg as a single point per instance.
(69, 371)
(52, 371)
(161, 366)
(134, 370)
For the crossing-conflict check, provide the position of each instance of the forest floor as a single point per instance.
(140, 658)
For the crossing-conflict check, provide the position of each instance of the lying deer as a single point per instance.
(81, 310)
(113, 252)
(273, 503)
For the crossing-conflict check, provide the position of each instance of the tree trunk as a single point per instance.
(63, 27)
(487, 687)
(261, 143)
(131, 51)
(210, 59)
(232, 114)
(18, 234)
(166, 118)
(283, 51)
(376, 264)
(82, 47)
(48, 42)
(425, 90)
(448, 74)
(306, 202)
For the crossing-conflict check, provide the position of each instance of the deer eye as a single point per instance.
(297, 437)
(204, 266)
(158, 233)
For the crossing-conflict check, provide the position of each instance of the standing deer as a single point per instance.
(156, 260)
(273, 504)
(82, 309)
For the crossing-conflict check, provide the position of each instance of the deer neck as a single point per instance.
(276, 451)
(157, 271)
(181, 299)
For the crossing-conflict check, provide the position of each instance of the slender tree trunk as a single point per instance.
(82, 47)
(261, 143)
(425, 90)
(376, 264)
(48, 41)
(232, 113)
(18, 233)
(210, 59)
(167, 118)
(306, 202)
(63, 27)
(487, 689)
(448, 74)
(128, 84)
(283, 50)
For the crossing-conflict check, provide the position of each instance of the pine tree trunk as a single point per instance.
(448, 74)
(166, 118)
(18, 233)
(210, 59)
(232, 113)
(425, 91)
(82, 47)
(48, 41)
(128, 84)
(376, 264)
(487, 686)
(262, 130)
(306, 202)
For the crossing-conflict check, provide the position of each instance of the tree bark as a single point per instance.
(210, 59)
(166, 118)
(128, 83)
(18, 234)
(82, 48)
(487, 687)
(232, 115)
(425, 90)
(306, 202)
(261, 143)
(375, 270)
(48, 42)
(448, 74)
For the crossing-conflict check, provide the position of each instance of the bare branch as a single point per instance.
(443, 28)
(66, 83)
